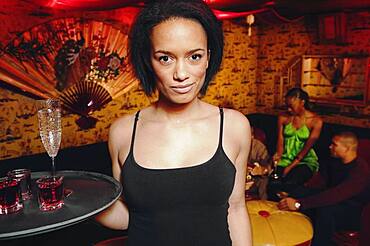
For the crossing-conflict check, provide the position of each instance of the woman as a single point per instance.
(181, 161)
(298, 130)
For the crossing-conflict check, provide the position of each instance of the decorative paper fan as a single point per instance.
(83, 62)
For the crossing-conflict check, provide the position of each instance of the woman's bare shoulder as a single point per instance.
(234, 113)
(284, 118)
(236, 120)
(121, 130)
(314, 118)
(122, 123)
(237, 137)
(120, 134)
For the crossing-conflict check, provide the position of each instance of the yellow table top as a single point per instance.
(271, 226)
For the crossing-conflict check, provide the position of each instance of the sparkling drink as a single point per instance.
(50, 127)
(50, 192)
(51, 140)
(50, 130)
(10, 196)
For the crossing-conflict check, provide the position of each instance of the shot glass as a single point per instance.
(23, 176)
(50, 192)
(10, 196)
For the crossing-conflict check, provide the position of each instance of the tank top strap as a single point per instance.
(134, 132)
(290, 120)
(221, 127)
(304, 119)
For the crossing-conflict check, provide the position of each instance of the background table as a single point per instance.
(91, 193)
(271, 226)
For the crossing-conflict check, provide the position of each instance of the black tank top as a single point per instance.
(180, 206)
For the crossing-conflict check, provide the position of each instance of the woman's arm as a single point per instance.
(116, 216)
(280, 138)
(238, 218)
(314, 135)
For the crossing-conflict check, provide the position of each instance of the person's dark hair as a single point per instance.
(301, 94)
(160, 11)
(348, 138)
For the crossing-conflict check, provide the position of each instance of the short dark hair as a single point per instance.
(348, 138)
(301, 94)
(160, 11)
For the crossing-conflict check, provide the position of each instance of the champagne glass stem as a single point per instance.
(52, 166)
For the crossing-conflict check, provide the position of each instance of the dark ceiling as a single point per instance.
(301, 6)
(285, 7)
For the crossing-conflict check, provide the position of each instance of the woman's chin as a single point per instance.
(183, 100)
(178, 98)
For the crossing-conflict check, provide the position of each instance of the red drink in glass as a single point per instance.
(23, 176)
(50, 192)
(10, 196)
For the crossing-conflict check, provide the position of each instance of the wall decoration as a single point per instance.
(293, 40)
(83, 62)
(336, 79)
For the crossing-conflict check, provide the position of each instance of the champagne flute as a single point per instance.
(50, 127)
(274, 173)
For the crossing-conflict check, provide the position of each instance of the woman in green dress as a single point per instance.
(298, 130)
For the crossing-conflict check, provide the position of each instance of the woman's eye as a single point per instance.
(164, 59)
(196, 57)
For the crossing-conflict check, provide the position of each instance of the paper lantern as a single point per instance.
(250, 21)
(271, 226)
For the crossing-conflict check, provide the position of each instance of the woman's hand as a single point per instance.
(287, 170)
(276, 158)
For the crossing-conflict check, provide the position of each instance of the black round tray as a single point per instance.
(91, 193)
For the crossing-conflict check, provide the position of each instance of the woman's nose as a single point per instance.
(180, 71)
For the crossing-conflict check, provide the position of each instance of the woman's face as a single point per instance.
(179, 59)
(295, 105)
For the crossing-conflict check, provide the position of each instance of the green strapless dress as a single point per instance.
(294, 140)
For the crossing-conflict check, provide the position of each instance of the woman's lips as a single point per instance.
(182, 89)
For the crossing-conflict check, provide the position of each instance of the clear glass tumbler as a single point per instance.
(10, 196)
(50, 192)
(23, 176)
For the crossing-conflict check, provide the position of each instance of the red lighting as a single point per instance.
(87, 4)
(228, 15)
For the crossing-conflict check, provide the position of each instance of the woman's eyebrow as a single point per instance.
(195, 50)
(188, 52)
(162, 52)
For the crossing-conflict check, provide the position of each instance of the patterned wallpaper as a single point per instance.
(232, 87)
(281, 44)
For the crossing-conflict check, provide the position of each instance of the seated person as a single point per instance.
(258, 167)
(335, 197)
(298, 130)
